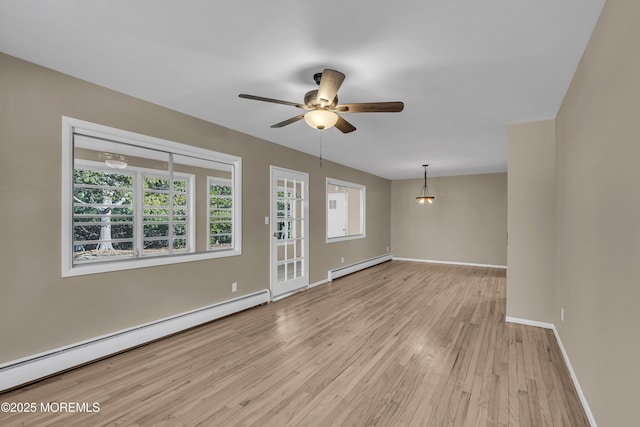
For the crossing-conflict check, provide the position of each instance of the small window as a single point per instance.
(166, 217)
(132, 201)
(220, 213)
(102, 213)
(345, 210)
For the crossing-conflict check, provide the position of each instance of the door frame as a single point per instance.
(273, 220)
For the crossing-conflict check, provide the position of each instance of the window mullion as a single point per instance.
(171, 192)
(235, 236)
(138, 202)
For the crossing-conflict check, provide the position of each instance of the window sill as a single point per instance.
(343, 238)
(109, 266)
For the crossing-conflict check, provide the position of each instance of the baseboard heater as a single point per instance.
(348, 269)
(29, 369)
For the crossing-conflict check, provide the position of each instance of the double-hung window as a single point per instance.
(132, 201)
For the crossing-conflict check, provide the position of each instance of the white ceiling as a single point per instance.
(464, 68)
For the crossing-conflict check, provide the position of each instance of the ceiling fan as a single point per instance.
(322, 106)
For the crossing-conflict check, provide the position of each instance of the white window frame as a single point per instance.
(363, 207)
(71, 126)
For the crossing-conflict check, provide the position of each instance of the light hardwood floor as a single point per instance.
(397, 344)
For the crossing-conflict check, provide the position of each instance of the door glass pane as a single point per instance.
(282, 229)
(299, 192)
(289, 249)
(298, 247)
(297, 231)
(281, 272)
(291, 190)
(299, 271)
(290, 270)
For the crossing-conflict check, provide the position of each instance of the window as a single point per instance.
(132, 201)
(102, 213)
(166, 217)
(345, 210)
(220, 213)
(105, 209)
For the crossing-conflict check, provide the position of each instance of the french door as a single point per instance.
(289, 231)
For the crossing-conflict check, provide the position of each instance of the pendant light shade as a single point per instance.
(321, 119)
(424, 196)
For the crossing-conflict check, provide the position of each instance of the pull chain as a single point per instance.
(321, 148)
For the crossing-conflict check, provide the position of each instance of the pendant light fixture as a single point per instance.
(424, 192)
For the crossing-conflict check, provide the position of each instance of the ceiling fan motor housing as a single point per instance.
(311, 100)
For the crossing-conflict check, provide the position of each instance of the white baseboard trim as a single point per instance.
(583, 399)
(574, 378)
(339, 272)
(343, 271)
(318, 283)
(34, 367)
(288, 294)
(528, 322)
(431, 261)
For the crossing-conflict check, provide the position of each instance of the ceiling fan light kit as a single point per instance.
(424, 196)
(321, 119)
(322, 104)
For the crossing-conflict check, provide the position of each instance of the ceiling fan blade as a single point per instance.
(275, 101)
(371, 107)
(344, 126)
(288, 121)
(329, 84)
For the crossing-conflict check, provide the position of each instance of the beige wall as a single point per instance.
(467, 222)
(598, 164)
(531, 249)
(39, 310)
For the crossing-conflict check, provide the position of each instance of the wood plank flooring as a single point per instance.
(398, 344)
